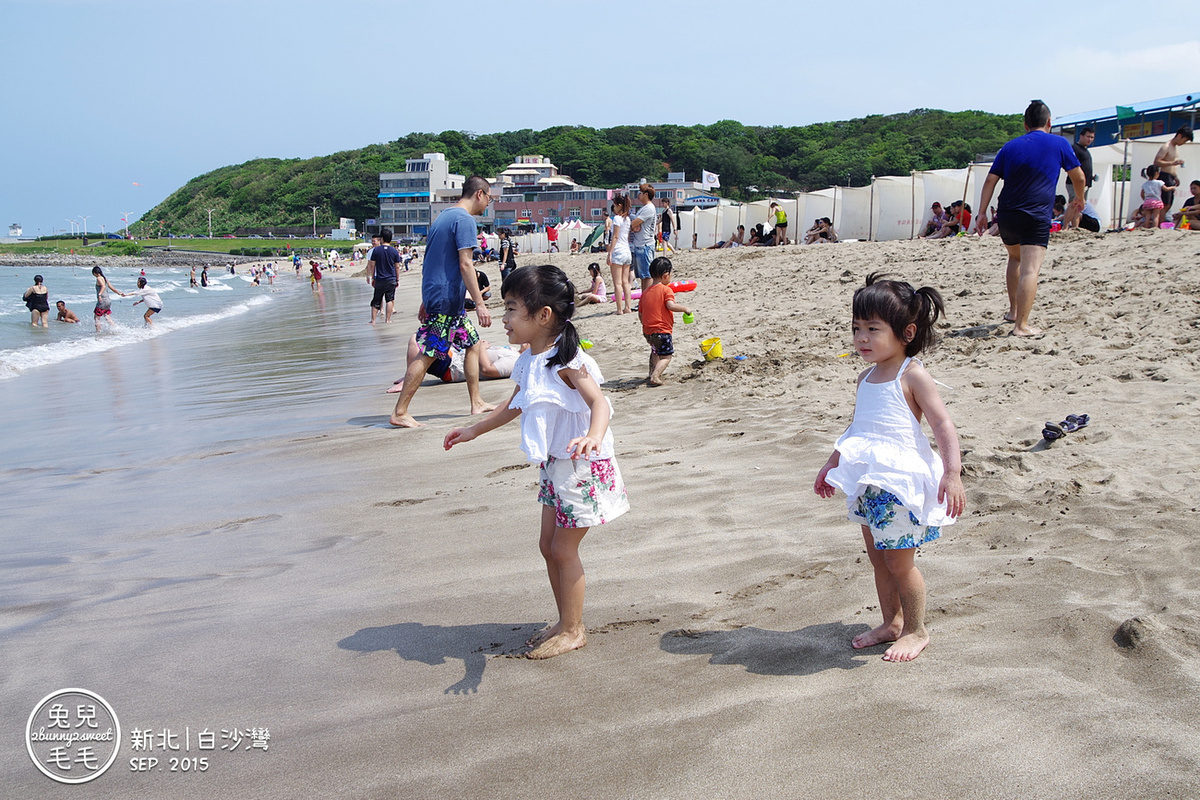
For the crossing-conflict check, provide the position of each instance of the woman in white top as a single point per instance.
(619, 256)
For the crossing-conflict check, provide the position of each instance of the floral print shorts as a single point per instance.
(893, 527)
(443, 331)
(582, 493)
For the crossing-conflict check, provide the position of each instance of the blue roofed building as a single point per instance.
(1135, 121)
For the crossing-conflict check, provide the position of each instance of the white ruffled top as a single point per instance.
(552, 413)
(885, 447)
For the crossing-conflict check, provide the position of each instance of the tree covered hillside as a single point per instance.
(279, 192)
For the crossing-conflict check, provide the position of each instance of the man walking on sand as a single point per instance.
(447, 276)
(382, 273)
(1029, 167)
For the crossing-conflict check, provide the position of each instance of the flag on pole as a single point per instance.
(1124, 113)
(710, 180)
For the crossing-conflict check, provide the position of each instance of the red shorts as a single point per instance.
(102, 312)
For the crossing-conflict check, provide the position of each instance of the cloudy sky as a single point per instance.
(110, 106)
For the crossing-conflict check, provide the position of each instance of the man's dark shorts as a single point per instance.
(384, 292)
(661, 343)
(1017, 227)
(1089, 223)
(1168, 198)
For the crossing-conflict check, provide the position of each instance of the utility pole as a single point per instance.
(314, 210)
(210, 222)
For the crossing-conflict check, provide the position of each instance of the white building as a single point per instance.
(406, 198)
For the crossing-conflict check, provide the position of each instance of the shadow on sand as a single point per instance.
(804, 652)
(435, 644)
(381, 420)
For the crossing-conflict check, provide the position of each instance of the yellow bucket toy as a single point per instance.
(711, 348)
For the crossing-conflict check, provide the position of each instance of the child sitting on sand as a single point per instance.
(657, 310)
(564, 429)
(598, 293)
(895, 486)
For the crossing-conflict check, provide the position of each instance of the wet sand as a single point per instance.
(365, 595)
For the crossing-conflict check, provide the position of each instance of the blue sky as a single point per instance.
(100, 96)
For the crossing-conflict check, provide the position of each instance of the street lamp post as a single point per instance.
(314, 210)
(72, 223)
(85, 219)
(125, 219)
(210, 222)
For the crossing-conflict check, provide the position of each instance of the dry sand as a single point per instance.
(1065, 651)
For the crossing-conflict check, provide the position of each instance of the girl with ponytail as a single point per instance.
(897, 489)
(564, 429)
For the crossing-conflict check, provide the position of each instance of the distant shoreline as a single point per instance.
(157, 259)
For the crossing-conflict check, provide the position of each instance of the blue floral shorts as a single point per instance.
(893, 527)
(443, 331)
(582, 493)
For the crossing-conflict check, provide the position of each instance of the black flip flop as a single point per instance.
(1079, 420)
(1053, 431)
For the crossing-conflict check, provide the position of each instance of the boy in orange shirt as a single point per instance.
(657, 310)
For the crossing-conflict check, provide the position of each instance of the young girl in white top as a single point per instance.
(564, 429)
(598, 293)
(620, 258)
(896, 487)
(1152, 197)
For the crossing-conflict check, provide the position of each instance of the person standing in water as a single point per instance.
(154, 303)
(103, 304)
(37, 300)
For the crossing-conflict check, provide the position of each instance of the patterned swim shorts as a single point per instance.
(893, 527)
(582, 493)
(443, 331)
(661, 343)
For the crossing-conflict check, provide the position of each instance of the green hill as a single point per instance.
(278, 192)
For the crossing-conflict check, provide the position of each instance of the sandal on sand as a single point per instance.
(1053, 431)
(1080, 420)
(1068, 425)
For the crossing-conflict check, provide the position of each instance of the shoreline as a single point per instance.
(363, 593)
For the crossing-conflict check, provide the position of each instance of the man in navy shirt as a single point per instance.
(382, 274)
(447, 277)
(1029, 166)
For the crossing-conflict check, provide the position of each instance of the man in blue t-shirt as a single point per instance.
(382, 274)
(1029, 166)
(447, 277)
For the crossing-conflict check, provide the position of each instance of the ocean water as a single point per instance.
(92, 423)
(24, 348)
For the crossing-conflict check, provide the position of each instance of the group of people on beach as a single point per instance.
(565, 415)
(37, 301)
(897, 489)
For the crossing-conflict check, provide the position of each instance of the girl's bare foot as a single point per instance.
(884, 633)
(557, 645)
(907, 647)
(543, 635)
(1026, 331)
(482, 408)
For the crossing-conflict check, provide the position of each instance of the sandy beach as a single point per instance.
(365, 595)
